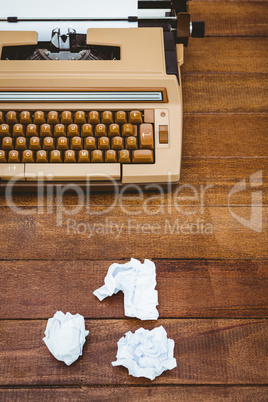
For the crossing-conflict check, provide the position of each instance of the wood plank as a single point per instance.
(177, 232)
(225, 136)
(203, 182)
(225, 93)
(186, 288)
(137, 394)
(226, 55)
(224, 18)
(207, 352)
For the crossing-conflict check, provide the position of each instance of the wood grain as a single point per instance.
(225, 136)
(226, 93)
(186, 288)
(136, 394)
(207, 352)
(226, 55)
(235, 18)
(212, 233)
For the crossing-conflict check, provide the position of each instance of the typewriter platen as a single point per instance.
(100, 105)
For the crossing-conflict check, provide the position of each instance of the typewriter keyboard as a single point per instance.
(77, 136)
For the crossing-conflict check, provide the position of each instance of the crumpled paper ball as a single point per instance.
(137, 281)
(65, 336)
(146, 353)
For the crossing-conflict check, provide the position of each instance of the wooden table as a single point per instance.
(211, 282)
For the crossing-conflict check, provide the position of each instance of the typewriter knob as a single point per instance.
(197, 29)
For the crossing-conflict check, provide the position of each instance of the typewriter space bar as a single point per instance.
(72, 171)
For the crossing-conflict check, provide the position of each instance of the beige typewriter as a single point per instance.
(95, 106)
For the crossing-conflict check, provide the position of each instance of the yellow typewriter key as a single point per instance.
(80, 117)
(114, 130)
(100, 130)
(86, 130)
(135, 117)
(73, 130)
(11, 118)
(39, 117)
(107, 117)
(4, 130)
(53, 117)
(7, 143)
(63, 143)
(66, 117)
(146, 136)
(14, 156)
(124, 156)
(25, 117)
(55, 156)
(1, 117)
(121, 117)
(83, 156)
(117, 143)
(131, 143)
(59, 130)
(27, 156)
(69, 156)
(46, 130)
(90, 143)
(18, 130)
(21, 143)
(110, 156)
(48, 143)
(97, 156)
(34, 143)
(41, 156)
(142, 156)
(127, 130)
(104, 143)
(31, 130)
(94, 117)
(3, 158)
(76, 143)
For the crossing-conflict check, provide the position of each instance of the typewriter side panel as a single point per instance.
(18, 38)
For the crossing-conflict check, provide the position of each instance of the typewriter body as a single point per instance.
(98, 106)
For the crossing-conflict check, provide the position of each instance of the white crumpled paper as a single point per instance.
(137, 281)
(146, 353)
(65, 336)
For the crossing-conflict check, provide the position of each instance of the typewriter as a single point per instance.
(92, 97)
